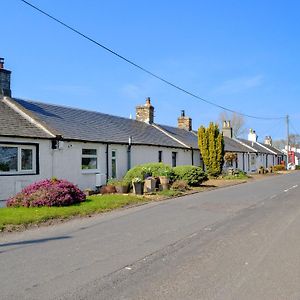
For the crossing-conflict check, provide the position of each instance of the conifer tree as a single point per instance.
(211, 145)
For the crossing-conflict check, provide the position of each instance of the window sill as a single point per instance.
(18, 173)
(90, 171)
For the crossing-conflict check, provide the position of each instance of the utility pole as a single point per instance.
(287, 140)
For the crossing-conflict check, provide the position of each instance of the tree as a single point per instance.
(211, 145)
(237, 123)
(294, 141)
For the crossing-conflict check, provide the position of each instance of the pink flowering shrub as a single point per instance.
(48, 192)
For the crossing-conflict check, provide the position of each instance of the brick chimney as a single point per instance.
(184, 122)
(227, 129)
(252, 136)
(268, 140)
(145, 113)
(4, 80)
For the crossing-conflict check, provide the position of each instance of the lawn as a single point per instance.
(94, 204)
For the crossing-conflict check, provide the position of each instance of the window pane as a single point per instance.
(113, 153)
(89, 163)
(159, 156)
(89, 151)
(26, 159)
(8, 159)
(174, 159)
(113, 168)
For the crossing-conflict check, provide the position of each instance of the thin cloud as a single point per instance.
(132, 91)
(238, 85)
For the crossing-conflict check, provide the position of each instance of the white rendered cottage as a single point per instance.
(39, 141)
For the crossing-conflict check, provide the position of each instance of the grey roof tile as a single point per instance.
(232, 145)
(187, 137)
(79, 124)
(277, 151)
(256, 146)
(13, 124)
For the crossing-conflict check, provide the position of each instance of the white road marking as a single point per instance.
(293, 187)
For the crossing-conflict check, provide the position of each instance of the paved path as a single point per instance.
(239, 242)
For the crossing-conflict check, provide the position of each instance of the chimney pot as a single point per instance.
(184, 122)
(227, 129)
(145, 113)
(4, 80)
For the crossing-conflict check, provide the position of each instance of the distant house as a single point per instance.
(251, 155)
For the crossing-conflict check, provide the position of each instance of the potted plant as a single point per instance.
(121, 186)
(138, 185)
(150, 184)
(146, 172)
(164, 178)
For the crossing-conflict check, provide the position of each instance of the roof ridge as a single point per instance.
(244, 144)
(262, 145)
(170, 135)
(29, 116)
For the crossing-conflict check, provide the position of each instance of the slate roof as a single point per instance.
(78, 124)
(232, 145)
(277, 151)
(13, 124)
(187, 137)
(256, 146)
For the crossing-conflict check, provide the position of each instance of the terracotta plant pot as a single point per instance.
(122, 189)
(164, 182)
(107, 189)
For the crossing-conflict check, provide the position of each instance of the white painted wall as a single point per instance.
(10, 185)
(66, 163)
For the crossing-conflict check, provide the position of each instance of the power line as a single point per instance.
(294, 128)
(144, 69)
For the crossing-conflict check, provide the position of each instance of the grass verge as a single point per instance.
(94, 204)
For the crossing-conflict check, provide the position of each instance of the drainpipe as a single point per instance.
(107, 171)
(129, 153)
(192, 156)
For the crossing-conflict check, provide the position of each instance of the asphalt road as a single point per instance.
(240, 242)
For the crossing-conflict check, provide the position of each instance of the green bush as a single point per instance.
(278, 168)
(117, 182)
(193, 175)
(151, 169)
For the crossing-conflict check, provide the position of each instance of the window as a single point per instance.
(17, 159)
(159, 156)
(174, 156)
(113, 164)
(89, 159)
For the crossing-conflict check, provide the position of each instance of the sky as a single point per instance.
(243, 55)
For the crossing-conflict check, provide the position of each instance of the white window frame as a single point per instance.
(19, 171)
(89, 171)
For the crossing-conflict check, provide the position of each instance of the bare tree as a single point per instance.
(237, 123)
(294, 141)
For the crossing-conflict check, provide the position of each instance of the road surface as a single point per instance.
(239, 242)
